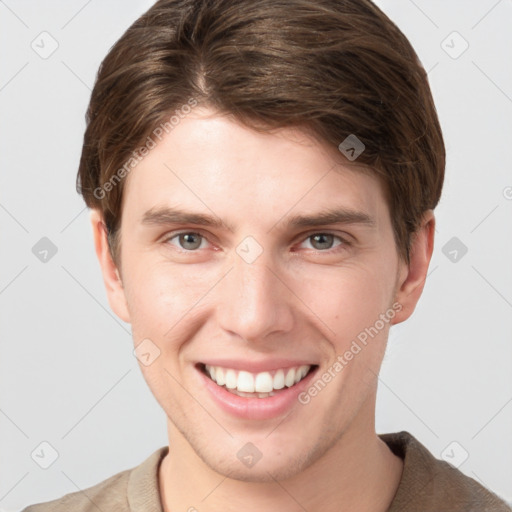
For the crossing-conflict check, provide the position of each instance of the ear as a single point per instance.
(111, 275)
(411, 277)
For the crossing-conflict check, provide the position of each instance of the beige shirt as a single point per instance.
(427, 485)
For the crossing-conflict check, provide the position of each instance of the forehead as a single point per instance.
(213, 164)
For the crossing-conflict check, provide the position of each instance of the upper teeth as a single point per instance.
(263, 382)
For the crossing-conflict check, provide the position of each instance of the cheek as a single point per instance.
(164, 302)
(162, 296)
(347, 299)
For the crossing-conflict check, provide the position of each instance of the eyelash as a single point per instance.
(343, 241)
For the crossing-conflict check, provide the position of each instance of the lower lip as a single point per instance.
(256, 408)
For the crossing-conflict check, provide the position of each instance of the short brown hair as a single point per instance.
(331, 67)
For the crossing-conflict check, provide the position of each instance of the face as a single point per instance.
(261, 258)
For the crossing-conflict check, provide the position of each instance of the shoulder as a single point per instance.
(112, 494)
(435, 485)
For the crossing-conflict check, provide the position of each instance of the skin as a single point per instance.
(300, 298)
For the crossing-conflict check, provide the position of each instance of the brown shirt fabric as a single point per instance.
(427, 485)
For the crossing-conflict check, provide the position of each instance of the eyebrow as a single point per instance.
(168, 215)
(332, 216)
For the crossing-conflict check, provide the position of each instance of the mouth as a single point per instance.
(260, 385)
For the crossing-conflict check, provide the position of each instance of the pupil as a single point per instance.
(187, 239)
(323, 239)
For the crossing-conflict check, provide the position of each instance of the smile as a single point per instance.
(256, 385)
(256, 390)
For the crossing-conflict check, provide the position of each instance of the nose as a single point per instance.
(255, 300)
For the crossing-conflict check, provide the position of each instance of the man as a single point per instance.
(262, 177)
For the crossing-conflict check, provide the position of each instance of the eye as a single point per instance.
(324, 241)
(189, 240)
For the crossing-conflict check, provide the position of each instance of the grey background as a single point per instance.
(67, 371)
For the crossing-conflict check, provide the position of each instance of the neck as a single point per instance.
(358, 473)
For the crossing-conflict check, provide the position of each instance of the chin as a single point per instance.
(272, 464)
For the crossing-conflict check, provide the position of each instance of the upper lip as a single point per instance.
(258, 366)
